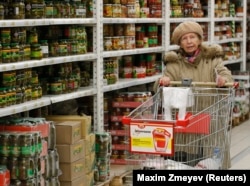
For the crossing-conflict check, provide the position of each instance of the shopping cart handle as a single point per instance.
(211, 84)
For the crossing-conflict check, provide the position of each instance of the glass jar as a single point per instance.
(2, 97)
(40, 91)
(28, 93)
(49, 9)
(36, 51)
(6, 53)
(45, 48)
(32, 36)
(26, 51)
(57, 9)
(66, 9)
(1, 58)
(27, 148)
(53, 49)
(26, 168)
(34, 9)
(14, 145)
(34, 92)
(16, 9)
(56, 86)
(15, 52)
(62, 48)
(4, 144)
(13, 166)
(1, 12)
(19, 95)
(5, 35)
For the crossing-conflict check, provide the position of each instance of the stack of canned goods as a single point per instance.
(37, 9)
(132, 8)
(119, 36)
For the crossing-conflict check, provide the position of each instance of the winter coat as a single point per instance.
(203, 69)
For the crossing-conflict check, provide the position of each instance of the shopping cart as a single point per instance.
(162, 136)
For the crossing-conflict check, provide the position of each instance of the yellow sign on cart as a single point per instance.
(152, 138)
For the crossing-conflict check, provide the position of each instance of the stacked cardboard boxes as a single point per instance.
(75, 143)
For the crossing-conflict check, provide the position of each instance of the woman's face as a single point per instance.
(190, 42)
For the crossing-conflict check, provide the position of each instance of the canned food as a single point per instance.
(129, 42)
(107, 10)
(118, 30)
(115, 43)
(116, 10)
(131, 11)
(122, 43)
(108, 46)
(124, 11)
(129, 30)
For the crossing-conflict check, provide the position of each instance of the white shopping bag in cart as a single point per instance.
(178, 98)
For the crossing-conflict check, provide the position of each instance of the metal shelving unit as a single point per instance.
(98, 88)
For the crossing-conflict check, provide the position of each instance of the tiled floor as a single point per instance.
(240, 146)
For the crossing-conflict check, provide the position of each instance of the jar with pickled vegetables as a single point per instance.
(32, 36)
(5, 35)
(49, 9)
(2, 97)
(55, 86)
(36, 51)
(1, 12)
(16, 9)
(15, 52)
(34, 9)
(57, 9)
(26, 51)
(65, 9)
(6, 53)
(45, 48)
(1, 59)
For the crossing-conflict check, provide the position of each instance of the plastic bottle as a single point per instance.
(217, 157)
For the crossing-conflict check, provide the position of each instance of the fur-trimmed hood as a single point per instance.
(207, 51)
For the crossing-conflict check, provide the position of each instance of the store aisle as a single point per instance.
(240, 146)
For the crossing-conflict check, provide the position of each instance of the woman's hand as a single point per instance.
(164, 81)
(220, 81)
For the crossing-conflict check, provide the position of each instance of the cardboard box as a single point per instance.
(76, 182)
(90, 162)
(70, 153)
(68, 132)
(89, 180)
(85, 121)
(90, 144)
(71, 171)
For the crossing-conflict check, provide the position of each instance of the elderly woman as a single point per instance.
(197, 61)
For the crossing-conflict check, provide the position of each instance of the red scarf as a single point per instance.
(192, 58)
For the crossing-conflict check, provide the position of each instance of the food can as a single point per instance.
(129, 42)
(152, 41)
(121, 42)
(129, 30)
(131, 11)
(118, 30)
(116, 10)
(124, 11)
(131, 1)
(116, 43)
(116, 1)
(107, 10)
(108, 30)
(108, 43)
